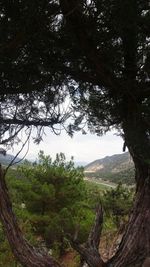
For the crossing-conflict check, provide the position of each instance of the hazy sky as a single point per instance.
(84, 148)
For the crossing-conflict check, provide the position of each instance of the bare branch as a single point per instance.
(95, 234)
(13, 160)
(89, 251)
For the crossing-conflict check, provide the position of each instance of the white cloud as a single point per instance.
(83, 147)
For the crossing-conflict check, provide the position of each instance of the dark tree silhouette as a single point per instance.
(98, 52)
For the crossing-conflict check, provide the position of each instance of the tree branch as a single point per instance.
(95, 234)
(40, 122)
(89, 251)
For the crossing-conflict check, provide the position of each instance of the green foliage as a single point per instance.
(51, 200)
(6, 257)
(53, 195)
(125, 177)
(117, 204)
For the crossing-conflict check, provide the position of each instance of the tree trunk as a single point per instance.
(135, 245)
(24, 253)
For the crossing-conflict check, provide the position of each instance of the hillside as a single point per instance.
(116, 168)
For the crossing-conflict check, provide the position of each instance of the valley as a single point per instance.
(111, 170)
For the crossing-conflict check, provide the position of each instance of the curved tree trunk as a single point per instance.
(24, 252)
(135, 245)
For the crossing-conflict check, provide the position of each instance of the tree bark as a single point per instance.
(27, 255)
(89, 251)
(135, 245)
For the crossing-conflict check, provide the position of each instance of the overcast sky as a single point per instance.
(84, 148)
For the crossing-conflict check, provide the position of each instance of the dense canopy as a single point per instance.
(96, 51)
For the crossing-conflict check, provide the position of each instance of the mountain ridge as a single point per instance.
(115, 168)
(6, 159)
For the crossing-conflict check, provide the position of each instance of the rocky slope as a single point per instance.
(116, 168)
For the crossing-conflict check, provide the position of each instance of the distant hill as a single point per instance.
(80, 163)
(116, 168)
(5, 160)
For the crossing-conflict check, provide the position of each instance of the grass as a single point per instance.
(97, 185)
